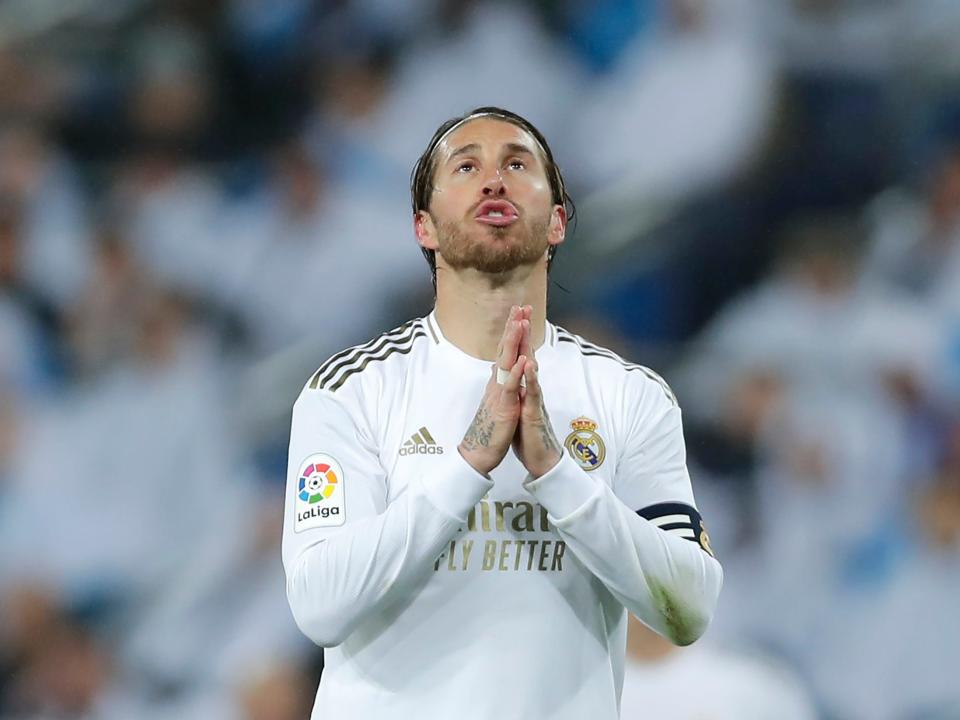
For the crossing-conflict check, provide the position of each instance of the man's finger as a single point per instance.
(514, 309)
(515, 313)
(526, 312)
(525, 348)
(512, 384)
(531, 380)
(511, 346)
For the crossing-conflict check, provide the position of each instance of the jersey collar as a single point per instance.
(439, 341)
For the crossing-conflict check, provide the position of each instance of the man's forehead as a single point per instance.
(487, 133)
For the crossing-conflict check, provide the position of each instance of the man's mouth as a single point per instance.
(498, 213)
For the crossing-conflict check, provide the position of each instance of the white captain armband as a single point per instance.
(679, 519)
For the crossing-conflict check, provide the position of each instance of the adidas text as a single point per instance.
(421, 450)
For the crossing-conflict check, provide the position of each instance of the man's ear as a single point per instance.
(425, 230)
(558, 225)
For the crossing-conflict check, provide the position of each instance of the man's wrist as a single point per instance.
(473, 461)
(454, 486)
(538, 470)
(564, 489)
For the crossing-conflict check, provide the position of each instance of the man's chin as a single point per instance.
(496, 260)
(493, 250)
(497, 267)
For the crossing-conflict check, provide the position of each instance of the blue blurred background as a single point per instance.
(200, 201)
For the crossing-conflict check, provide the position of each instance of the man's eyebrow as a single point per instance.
(518, 149)
(511, 148)
(465, 150)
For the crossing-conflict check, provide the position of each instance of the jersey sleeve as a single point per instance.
(347, 551)
(635, 535)
(652, 477)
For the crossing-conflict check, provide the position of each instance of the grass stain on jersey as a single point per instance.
(683, 626)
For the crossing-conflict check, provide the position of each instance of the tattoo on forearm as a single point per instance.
(548, 439)
(480, 431)
(546, 431)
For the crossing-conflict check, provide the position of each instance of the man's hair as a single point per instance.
(421, 179)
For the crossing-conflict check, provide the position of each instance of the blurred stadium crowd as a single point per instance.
(200, 201)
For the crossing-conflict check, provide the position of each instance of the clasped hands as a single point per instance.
(511, 414)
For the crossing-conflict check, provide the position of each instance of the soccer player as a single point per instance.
(476, 498)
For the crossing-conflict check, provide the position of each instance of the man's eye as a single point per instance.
(464, 166)
(517, 165)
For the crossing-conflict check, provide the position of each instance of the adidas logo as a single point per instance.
(421, 443)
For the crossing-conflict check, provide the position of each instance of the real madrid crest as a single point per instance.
(584, 445)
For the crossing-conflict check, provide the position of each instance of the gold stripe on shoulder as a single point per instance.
(352, 354)
(395, 349)
(589, 349)
(436, 340)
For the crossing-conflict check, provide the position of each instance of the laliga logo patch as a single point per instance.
(584, 445)
(319, 501)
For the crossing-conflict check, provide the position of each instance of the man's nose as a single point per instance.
(493, 184)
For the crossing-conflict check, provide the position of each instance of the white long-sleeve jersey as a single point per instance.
(438, 592)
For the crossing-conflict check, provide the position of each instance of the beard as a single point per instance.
(513, 246)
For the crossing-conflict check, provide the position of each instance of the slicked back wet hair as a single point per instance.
(421, 179)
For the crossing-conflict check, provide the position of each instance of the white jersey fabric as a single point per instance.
(439, 592)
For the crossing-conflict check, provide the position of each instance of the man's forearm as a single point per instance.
(334, 585)
(668, 582)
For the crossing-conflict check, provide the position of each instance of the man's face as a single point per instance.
(491, 208)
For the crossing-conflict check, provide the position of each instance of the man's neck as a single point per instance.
(472, 307)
